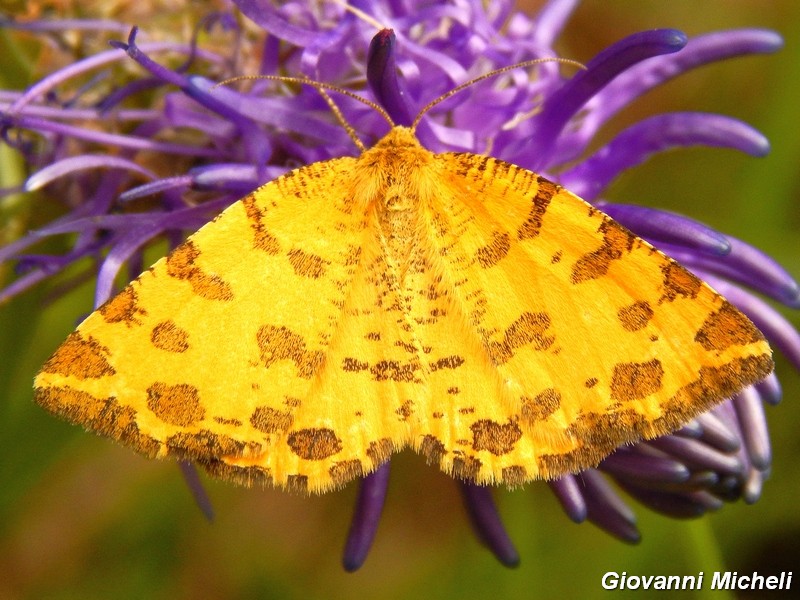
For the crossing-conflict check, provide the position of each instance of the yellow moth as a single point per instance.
(452, 303)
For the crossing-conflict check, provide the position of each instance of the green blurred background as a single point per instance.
(81, 517)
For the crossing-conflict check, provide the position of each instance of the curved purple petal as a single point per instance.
(606, 509)
(486, 520)
(656, 134)
(697, 454)
(366, 517)
(568, 492)
(268, 17)
(551, 21)
(195, 486)
(155, 187)
(627, 463)
(657, 225)
(698, 51)
(717, 433)
(750, 411)
(746, 265)
(770, 389)
(684, 505)
(383, 80)
(562, 105)
(69, 166)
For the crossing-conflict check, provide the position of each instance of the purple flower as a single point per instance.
(129, 172)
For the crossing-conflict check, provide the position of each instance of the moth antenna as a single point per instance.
(494, 73)
(322, 88)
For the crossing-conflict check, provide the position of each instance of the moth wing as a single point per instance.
(561, 335)
(216, 354)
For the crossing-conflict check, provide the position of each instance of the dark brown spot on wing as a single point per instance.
(406, 410)
(168, 336)
(532, 225)
(123, 308)
(206, 445)
(175, 404)
(599, 434)
(394, 370)
(314, 443)
(617, 241)
(466, 467)
(346, 470)
(495, 437)
(634, 381)
(242, 475)
(493, 252)
(530, 328)
(714, 384)
(433, 450)
(268, 420)
(280, 343)
(678, 282)
(103, 415)
(727, 327)
(307, 265)
(636, 316)
(353, 365)
(380, 451)
(181, 265)
(541, 406)
(448, 362)
(297, 483)
(82, 358)
(514, 476)
(262, 239)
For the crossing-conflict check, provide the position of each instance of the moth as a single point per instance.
(452, 303)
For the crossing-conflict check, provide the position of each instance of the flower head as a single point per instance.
(128, 177)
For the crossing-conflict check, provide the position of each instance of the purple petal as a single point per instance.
(551, 19)
(656, 134)
(568, 492)
(716, 433)
(366, 517)
(187, 84)
(632, 465)
(751, 491)
(701, 50)
(155, 187)
(383, 80)
(40, 25)
(770, 389)
(99, 137)
(268, 17)
(606, 509)
(750, 266)
(698, 455)
(121, 251)
(486, 520)
(196, 487)
(68, 166)
(561, 106)
(664, 226)
(750, 412)
(685, 505)
(76, 69)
